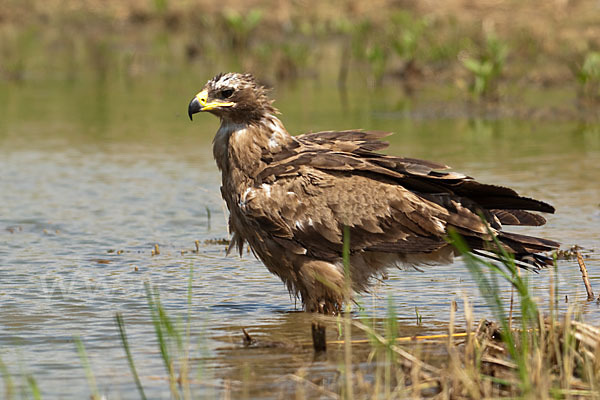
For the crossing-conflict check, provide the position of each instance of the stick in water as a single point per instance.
(584, 275)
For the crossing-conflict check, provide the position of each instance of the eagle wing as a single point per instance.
(306, 214)
(324, 181)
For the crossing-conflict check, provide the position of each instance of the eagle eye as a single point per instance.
(226, 93)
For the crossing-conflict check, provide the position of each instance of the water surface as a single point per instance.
(93, 176)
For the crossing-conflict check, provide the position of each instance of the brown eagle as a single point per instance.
(291, 197)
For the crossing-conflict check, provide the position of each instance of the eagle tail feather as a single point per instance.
(525, 250)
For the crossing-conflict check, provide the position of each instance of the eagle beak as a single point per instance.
(194, 107)
(200, 103)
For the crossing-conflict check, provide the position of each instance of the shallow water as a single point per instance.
(93, 176)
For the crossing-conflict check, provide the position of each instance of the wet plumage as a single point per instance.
(289, 198)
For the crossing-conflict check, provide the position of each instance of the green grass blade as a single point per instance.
(162, 327)
(489, 289)
(87, 367)
(9, 387)
(347, 317)
(33, 386)
(121, 325)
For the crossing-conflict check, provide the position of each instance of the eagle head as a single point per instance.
(234, 97)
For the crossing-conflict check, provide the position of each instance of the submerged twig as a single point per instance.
(248, 340)
(409, 338)
(584, 276)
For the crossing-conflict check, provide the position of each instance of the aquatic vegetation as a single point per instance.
(419, 45)
(89, 373)
(541, 358)
(173, 339)
(167, 335)
(548, 356)
(588, 76)
(377, 57)
(160, 6)
(295, 56)
(418, 316)
(8, 383)
(99, 54)
(370, 45)
(407, 37)
(487, 68)
(444, 39)
(407, 33)
(27, 387)
(16, 50)
(239, 26)
(348, 391)
(365, 47)
(125, 342)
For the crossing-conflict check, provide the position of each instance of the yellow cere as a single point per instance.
(202, 98)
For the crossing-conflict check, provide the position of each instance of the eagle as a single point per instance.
(292, 198)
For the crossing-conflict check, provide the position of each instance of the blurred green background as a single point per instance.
(485, 49)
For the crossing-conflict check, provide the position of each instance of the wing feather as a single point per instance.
(325, 180)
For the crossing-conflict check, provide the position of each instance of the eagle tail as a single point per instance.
(525, 249)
